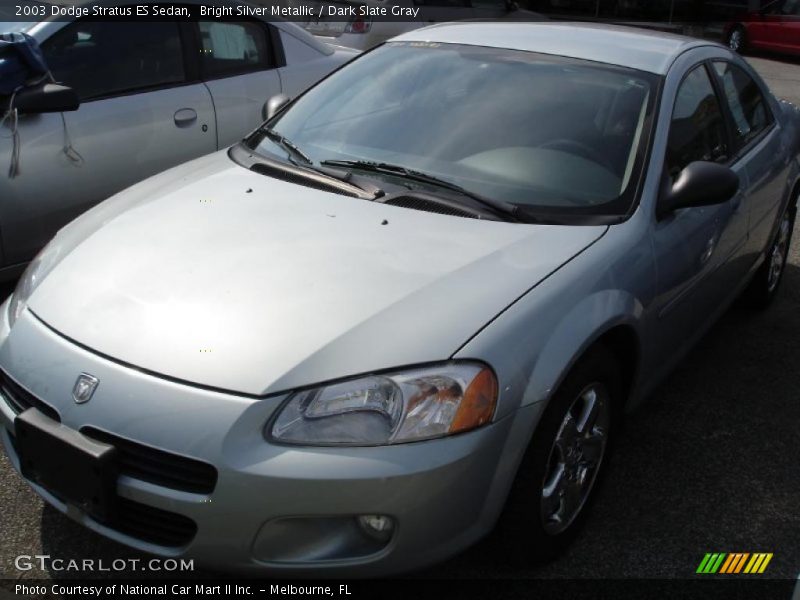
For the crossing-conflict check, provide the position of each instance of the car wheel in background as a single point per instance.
(737, 39)
(761, 291)
(564, 461)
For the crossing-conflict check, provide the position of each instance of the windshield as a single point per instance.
(543, 132)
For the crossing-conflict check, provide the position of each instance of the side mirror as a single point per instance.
(699, 184)
(46, 98)
(274, 105)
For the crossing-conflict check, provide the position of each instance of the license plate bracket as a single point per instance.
(73, 467)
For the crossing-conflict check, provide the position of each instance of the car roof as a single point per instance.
(642, 49)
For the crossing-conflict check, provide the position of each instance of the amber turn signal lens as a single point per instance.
(477, 405)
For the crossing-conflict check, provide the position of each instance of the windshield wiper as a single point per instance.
(300, 159)
(290, 147)
(247, 157)
(504, 208)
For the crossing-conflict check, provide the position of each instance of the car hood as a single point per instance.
(215, 275)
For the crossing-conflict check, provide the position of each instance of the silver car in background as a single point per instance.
(153, 94)
(412, 306)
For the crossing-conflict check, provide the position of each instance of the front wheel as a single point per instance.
(565, 459)
(762, 290)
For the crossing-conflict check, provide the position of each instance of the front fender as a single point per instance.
(533, 344)
(533, 354)
(584, 325)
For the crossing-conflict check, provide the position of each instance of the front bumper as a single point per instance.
(283, 509)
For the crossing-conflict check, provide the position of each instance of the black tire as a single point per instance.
(737, 39)
(525, 534)
(762, 290)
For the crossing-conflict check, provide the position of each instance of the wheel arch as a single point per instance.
(623, 342)
(618, 330)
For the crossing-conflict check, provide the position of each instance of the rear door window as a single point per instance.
(749, 109)
(231, 48)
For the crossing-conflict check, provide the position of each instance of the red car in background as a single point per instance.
(775, 27)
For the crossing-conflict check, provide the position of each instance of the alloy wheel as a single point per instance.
(735, 40)
(575, 458)
(779, 254)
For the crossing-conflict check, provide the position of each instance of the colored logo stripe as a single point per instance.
(758, 563)
(723, 563)
(732, 559)
(735, 562)
(711, 563)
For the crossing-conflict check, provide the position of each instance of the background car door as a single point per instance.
(697, 249)
(238, 64)
(766, 31)
(757, 142)
(138, 116)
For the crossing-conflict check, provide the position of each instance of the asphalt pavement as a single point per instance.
(709, 464)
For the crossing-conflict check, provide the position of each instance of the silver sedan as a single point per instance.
(412, 306)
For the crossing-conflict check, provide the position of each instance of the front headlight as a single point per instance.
(390, 408)
(37, 270)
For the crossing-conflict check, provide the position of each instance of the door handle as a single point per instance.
(185, 117)
(708, 251)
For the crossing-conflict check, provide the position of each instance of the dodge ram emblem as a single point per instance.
(84, 387)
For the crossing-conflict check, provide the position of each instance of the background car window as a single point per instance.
(100, 59)
(791, 8)
(228, 48)
(747, 104)
(781, 7)
(697, 131)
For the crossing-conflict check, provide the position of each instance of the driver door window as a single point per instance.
(102, 59)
